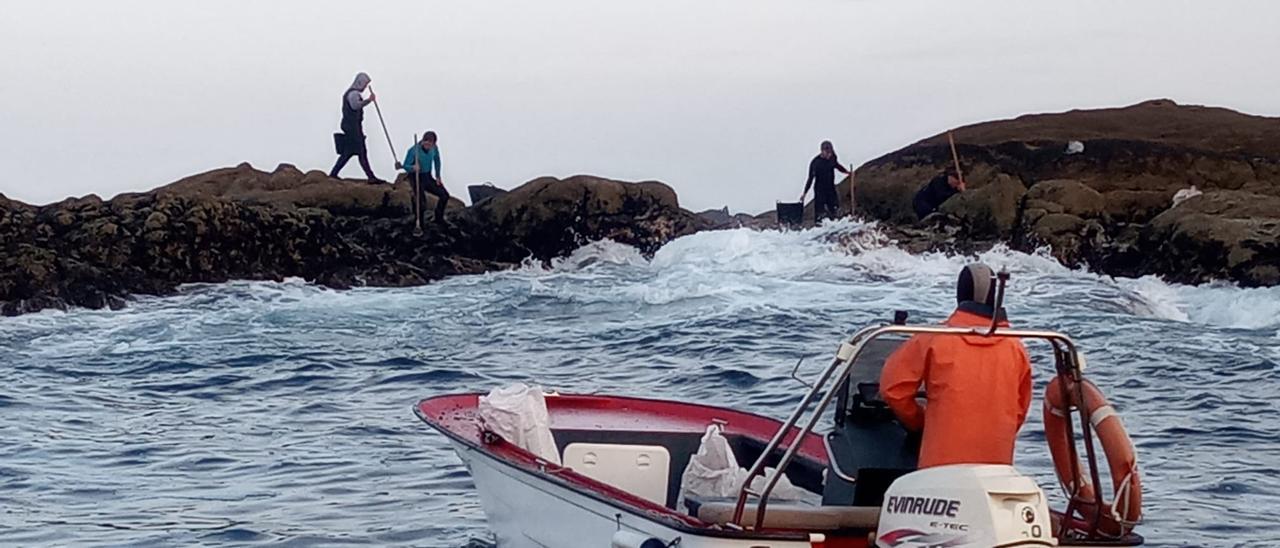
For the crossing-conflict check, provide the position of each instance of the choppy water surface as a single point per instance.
(280, 413)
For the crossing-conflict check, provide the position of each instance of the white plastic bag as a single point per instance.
(713, 473)
(1185, 194)
(518, 413)
(785, 490)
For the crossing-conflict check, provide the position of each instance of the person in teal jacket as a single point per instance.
(418, 163)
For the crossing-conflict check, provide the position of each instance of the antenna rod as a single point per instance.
(1002, 279)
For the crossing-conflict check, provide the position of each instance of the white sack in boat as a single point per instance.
(713, 473)
(518, 413)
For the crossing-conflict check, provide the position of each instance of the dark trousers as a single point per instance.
(826, 204)
(430, 186)
(354, 146)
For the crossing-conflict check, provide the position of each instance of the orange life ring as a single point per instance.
(1114, 518)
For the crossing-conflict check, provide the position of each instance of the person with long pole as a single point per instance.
(947, 184)
(421, 158)
(351, 141)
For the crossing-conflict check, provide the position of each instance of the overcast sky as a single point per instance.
(725, 100)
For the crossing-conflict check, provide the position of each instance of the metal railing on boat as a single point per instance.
(1067, 361)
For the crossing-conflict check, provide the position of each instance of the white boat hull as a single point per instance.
(525, 512)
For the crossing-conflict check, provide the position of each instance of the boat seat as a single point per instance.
(641, 470)
(781, 515)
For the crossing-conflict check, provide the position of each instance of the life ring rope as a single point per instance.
(1122, 495)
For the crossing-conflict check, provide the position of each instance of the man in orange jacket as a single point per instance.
(978, 388)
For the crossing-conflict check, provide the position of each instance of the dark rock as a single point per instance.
(479, 193)
(1070, 197)
(548, 216)
(1220, 234)
(240, 223)
(884, 191)
(718, 218)
(987, 211)
(721, 219)
(1136, 206)
(1107, 206)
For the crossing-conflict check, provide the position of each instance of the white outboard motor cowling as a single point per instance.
(964, 505)
(627, 539)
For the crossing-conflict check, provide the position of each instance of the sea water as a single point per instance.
(280, 413)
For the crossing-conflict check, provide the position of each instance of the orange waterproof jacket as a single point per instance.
(978, 391)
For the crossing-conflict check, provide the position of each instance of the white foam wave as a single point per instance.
(854, 261)
(1151, 297)
(603, 252)
(842, 265)
(1217, 304)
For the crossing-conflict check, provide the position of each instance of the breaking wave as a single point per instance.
(748, 263)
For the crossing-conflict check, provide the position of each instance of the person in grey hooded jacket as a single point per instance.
(351, 141)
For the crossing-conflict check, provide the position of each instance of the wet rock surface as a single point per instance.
(1227, 234)
(1097, 188)
(242, 223)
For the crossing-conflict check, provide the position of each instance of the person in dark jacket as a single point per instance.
(351, 142)
(930, 197)
(418, 162)
(822, 177)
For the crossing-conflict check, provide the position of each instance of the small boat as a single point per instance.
(618, 482)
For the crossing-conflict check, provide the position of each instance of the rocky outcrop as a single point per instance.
(1097, 188)
(549, 216)
(241, 223)
(989, 211)
(722, 219)
(1220, 234)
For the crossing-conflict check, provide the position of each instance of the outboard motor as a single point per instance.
(627, 539)
(964, 505)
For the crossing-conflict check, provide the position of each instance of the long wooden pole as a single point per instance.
(384, 124)
(955, 157)
(853, 200)
(417, 188)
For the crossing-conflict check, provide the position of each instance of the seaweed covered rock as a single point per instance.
(548, 216)
(1219, 234)
(987, 210)
(241, 223)
(1100, 188)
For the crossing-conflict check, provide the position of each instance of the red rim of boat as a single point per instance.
(438, 412)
